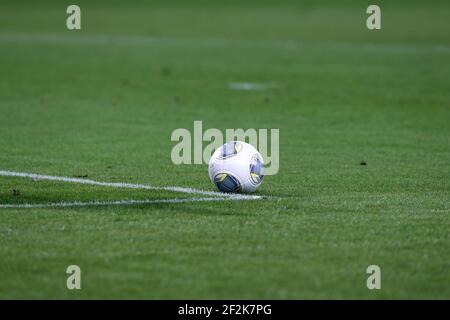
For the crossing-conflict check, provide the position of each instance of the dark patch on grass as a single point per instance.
(16, 192)
(363, 163)
(166, 71)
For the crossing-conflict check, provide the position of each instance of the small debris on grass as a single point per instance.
(363, 163)
(81, 175)
(16, 192)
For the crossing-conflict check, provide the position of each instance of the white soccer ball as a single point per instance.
(236, 167)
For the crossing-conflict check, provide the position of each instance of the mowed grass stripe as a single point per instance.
(9, 37)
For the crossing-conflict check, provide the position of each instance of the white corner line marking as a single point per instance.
(38, 177)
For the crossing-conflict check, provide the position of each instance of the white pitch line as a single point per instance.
(35, 176)
(64, 204)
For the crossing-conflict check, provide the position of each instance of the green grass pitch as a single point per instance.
(102, 102)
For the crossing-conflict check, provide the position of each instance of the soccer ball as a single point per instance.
(236, 167)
